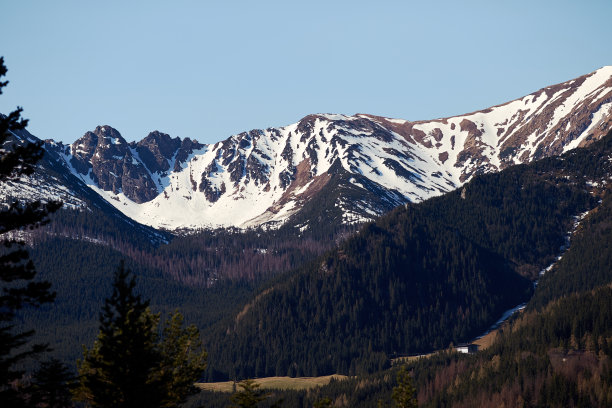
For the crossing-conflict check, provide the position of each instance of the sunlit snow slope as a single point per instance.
(266, 176)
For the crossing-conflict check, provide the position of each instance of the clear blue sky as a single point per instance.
(206, 70)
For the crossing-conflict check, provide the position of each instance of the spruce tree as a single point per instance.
(51, 385)
(183, 359)
(324, 402)
(18, 158)
(130, 365)
(249, 396)
(404, 392)
(119, 370)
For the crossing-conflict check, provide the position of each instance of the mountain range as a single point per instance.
(326, 168)
(472, 215)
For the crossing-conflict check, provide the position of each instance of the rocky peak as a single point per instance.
(104, 156)
(104, 140)
(109, 136)
(157, 151)
(266, 176)
(186, 149)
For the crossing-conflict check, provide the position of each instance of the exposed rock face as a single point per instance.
(55, 179)
(186, 149)
(119, 167)
(268, 176)
(156, 150)
(108, 160)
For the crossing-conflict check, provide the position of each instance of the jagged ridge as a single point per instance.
(266, 176)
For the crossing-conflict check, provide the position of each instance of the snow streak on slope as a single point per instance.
(266, 176)
(44, 186)
(261, 176)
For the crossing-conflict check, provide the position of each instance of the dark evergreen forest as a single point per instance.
(421, 277)
(283, 303)
(208, 275)
(558, 353)
(558, 357)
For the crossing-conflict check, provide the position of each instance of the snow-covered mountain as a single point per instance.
(51, 180)
(353, 167)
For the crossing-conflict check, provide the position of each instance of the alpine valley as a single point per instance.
(338, 244)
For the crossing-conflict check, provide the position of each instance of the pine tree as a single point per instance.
(130, 365)
(119, 370)
(249, 396)
(17, 273)
(183, 360)
(51, 387)
(404, 392)
(324, 402)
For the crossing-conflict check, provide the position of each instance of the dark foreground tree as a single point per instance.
(404, 392)
(51, 385)
(119, 370)
(129, 365)
(324, 402)
(249, 396)
(183, 359)
(17, 273)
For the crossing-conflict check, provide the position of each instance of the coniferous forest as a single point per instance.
(420, 278)
(555, 354)
(157, 312)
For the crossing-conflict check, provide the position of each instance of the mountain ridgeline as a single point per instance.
(350, 168)
(421, 277)
(477, 206)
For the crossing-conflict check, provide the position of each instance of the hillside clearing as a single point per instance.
(278, 383)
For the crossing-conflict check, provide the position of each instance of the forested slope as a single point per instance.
(81, 275)
(418, 279)
(560, 356)
(559, 352)
(207, 275)
(588, 262)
